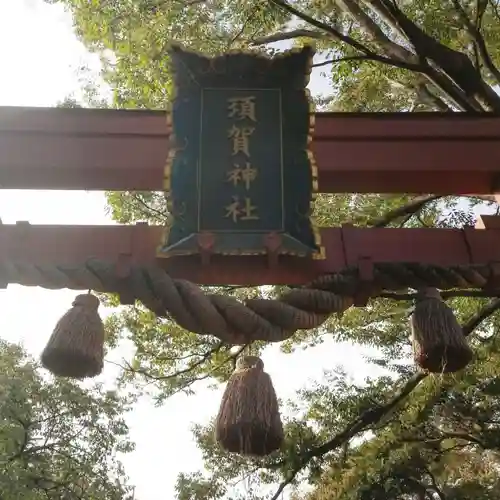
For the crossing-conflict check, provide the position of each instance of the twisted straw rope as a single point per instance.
(229, 319)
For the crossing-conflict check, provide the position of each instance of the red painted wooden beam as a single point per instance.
(73, 245)
(126, 150)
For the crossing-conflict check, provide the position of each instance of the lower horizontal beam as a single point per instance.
(346, 247)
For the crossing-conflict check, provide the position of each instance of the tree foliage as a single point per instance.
(400, 436)
(58, 440)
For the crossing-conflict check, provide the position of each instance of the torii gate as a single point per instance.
(82, 149)
(358, 153)
(238, 99)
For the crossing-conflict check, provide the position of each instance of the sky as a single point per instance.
(39, 60)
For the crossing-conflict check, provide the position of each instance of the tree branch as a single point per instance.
(474, 32)
(381, 9)
(24, 443)
(373, 415)
(337, 35)
(189, 368)
(445, 295)
(485, 197)
(480, 316)
(414, 206)
(341, 59)
(410, 208)
(162, 214)
(435, 485)
(366, 419)
(463, 436)
(456, 74)
(427, 96)
(373, 29)
(290, 35)
(494, 7)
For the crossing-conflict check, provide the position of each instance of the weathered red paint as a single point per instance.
(361, 153)
(346, 247)
(126, 150)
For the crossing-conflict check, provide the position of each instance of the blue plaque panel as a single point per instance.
(240, 168)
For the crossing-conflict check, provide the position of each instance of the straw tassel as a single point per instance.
(249, 421)
(76, 347)
(439, 345)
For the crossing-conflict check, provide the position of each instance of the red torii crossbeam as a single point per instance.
(119, 150)
(71, 246)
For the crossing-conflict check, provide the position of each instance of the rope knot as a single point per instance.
(248, 362)
(86, 300)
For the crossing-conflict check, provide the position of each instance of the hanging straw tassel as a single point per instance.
(439, 344)
(249, 420)
(76, 347)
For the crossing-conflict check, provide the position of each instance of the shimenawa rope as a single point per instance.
(226, 317)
